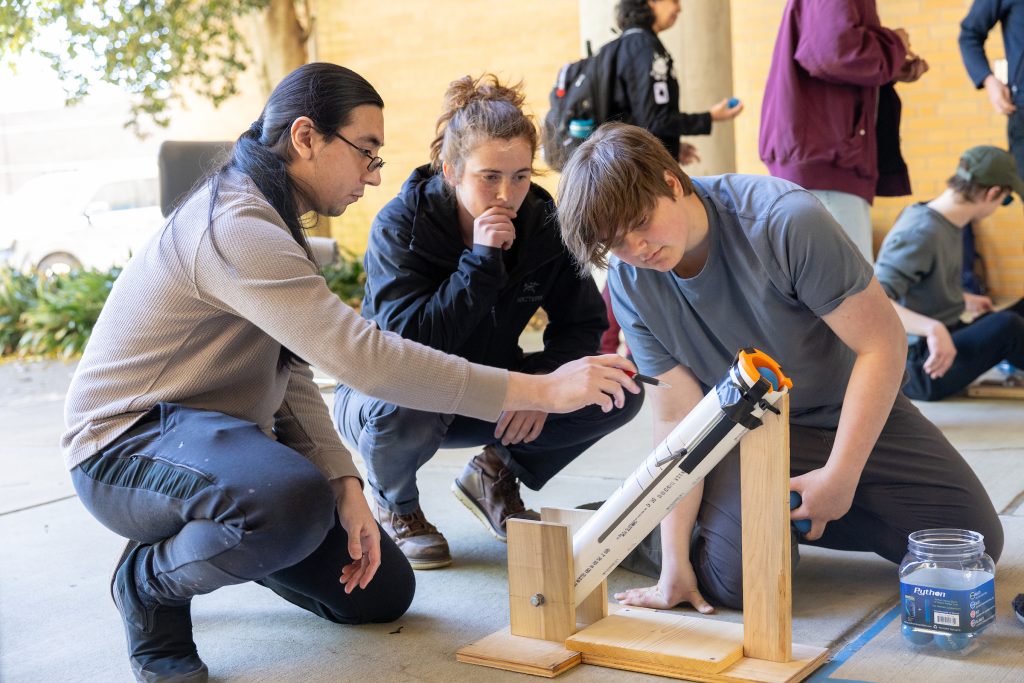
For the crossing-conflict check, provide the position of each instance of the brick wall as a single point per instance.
(410, 51)
(942, 115)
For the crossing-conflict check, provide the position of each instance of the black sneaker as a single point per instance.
(160, 645)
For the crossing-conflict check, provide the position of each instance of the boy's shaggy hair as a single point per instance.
(608, 185)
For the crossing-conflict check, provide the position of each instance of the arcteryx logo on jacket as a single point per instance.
(425, 284)
(528, 293)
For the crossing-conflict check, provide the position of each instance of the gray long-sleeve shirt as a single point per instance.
(199, 318)
(919, 264)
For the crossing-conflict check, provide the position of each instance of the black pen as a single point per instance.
(647, 380)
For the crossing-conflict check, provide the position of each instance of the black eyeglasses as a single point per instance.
(375, 162)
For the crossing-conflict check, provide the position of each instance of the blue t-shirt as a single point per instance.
(777, 262)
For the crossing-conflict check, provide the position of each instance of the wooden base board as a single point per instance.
(663, 639)
(502, 650)
(993, 389)
(747, 670)
(689, 648)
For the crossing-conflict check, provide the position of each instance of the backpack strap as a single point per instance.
(611, 105)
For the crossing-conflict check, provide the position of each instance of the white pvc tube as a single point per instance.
(654, 488)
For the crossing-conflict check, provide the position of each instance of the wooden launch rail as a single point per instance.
(548, 634)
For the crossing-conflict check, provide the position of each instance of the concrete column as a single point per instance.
(701, 47)
(597, 21)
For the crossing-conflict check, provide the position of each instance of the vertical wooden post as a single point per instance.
(593, 607)
(767, 567)
(540, 588)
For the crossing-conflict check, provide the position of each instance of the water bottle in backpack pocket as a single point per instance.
(581, 100)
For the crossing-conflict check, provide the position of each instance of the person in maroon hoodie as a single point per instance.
(830, 117)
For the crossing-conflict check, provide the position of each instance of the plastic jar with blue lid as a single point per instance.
(947, 589)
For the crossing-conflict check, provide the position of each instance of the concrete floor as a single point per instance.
(57, 622)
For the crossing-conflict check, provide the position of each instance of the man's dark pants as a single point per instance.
(980, 345)
(216, 502)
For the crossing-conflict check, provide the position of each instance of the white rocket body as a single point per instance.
(654, 488)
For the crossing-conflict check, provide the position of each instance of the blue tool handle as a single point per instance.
(733, 101)
(802, 525)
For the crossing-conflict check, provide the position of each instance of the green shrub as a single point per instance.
(65, 311)
(17, 295)
(54, 316)
(346, 278)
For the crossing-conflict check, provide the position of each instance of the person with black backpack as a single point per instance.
(631, 80)
(647, 92)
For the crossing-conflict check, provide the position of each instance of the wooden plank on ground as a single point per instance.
(994, 389)
(663, 639)
(805, 660)
(502, 650)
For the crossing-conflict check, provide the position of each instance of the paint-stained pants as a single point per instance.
(216, 502)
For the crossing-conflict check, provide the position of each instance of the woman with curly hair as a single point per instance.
(460, 261)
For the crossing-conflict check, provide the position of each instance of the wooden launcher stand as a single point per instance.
(548, 635)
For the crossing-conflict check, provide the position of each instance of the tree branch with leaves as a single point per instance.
(155, 50)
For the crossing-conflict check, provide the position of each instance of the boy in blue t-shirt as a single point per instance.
(705, 267)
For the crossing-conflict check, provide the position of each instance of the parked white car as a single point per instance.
(59, 222)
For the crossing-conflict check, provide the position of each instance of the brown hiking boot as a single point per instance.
(419, 540)
(491, 492)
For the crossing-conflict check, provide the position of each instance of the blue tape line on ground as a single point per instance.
(824, 673)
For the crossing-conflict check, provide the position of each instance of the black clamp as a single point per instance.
(738, 405)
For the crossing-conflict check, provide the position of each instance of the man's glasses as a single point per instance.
(375, 162)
